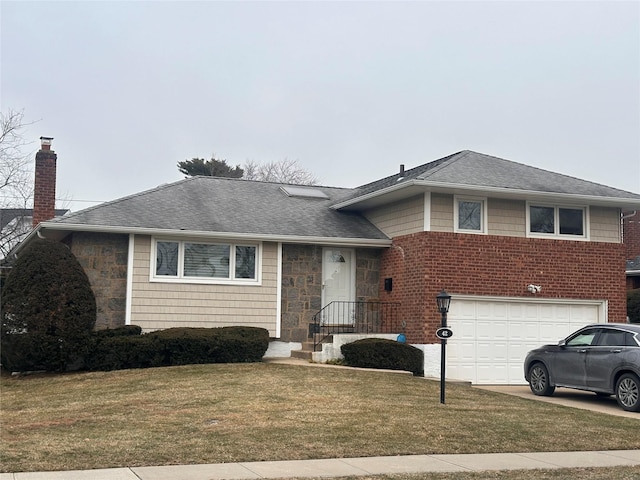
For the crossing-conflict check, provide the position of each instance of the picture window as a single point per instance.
(556, 221)
(182, 260)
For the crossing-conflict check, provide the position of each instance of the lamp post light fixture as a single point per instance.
(444, 300)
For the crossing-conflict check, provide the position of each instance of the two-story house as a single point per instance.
(528, 255)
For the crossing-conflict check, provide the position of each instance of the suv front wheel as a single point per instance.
(628, 392)
(539, 380)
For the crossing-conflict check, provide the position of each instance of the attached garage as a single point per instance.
(491, 336)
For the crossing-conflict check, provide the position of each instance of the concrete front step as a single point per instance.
(308, 345)
(303, 354)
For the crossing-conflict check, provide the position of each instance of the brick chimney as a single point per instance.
(44, 194)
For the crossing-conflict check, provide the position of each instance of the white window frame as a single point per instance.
(484, 209)
(556, 221)
(181, 278)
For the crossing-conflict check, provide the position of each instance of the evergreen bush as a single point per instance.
(384, 354)
(176, 346)
(46, 299)
(633, 305)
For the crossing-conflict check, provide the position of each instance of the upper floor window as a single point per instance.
(185, 260)
(470, 215)
(557, 221)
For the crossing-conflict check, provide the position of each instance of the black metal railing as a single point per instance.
(354, 317)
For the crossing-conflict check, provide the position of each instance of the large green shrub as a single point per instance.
(633, 305)
(384, 354)
(46, 300)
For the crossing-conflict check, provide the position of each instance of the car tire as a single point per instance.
(539, 381)
(628, 392)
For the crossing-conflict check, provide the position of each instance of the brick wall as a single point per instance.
(631, 230)
(422, 264)
(302, 286)
(44, 188)
(104, 259)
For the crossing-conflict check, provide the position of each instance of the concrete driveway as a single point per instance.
(567, 397)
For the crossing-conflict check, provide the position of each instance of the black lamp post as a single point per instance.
(444, 300)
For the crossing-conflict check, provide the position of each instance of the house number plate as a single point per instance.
(444, 333)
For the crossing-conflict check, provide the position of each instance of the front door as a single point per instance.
(338, 286)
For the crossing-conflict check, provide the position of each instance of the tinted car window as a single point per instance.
(617, 338)
(583, 339)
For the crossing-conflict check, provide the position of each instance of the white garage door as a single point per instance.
(491, 337)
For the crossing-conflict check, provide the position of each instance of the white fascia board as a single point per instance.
(502, 192)
(356, 242)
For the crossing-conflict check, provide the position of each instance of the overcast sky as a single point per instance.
(349, 89)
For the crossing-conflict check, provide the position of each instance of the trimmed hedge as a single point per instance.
(115, 350)
(384, 354)
(30, 352)
(123, 331)
(633, 305)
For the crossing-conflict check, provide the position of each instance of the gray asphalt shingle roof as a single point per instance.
(234, 206)
(226, 205)
(476, 169)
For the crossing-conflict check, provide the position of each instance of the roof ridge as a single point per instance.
(445, 162)
(126, 197)
(206, 177)
(554, 173)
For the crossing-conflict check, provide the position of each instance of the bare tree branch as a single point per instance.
(283, 171)
(16, 180)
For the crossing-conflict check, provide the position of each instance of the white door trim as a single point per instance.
(601, 304)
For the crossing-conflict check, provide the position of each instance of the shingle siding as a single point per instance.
(441, 213)
(605, 225)
(400, 218)
(158, 305)
(507, 217)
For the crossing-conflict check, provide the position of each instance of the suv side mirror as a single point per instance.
(562, 343)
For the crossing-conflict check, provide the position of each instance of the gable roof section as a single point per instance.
(214, 206)
(469, 171)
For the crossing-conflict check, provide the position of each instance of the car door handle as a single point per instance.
(615, 351)
(582, 350)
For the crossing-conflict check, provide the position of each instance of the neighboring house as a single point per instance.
(631, 231)
(15, 224)
(209, 252)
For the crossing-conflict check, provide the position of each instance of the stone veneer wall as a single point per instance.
(302, 286)
(104, 259)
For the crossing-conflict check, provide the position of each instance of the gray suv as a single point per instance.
(602, 358)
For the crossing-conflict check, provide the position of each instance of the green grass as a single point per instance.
(254, 412)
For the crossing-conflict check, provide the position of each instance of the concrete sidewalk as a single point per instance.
(350, 466)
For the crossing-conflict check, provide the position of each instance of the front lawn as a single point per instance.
(252, 412)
